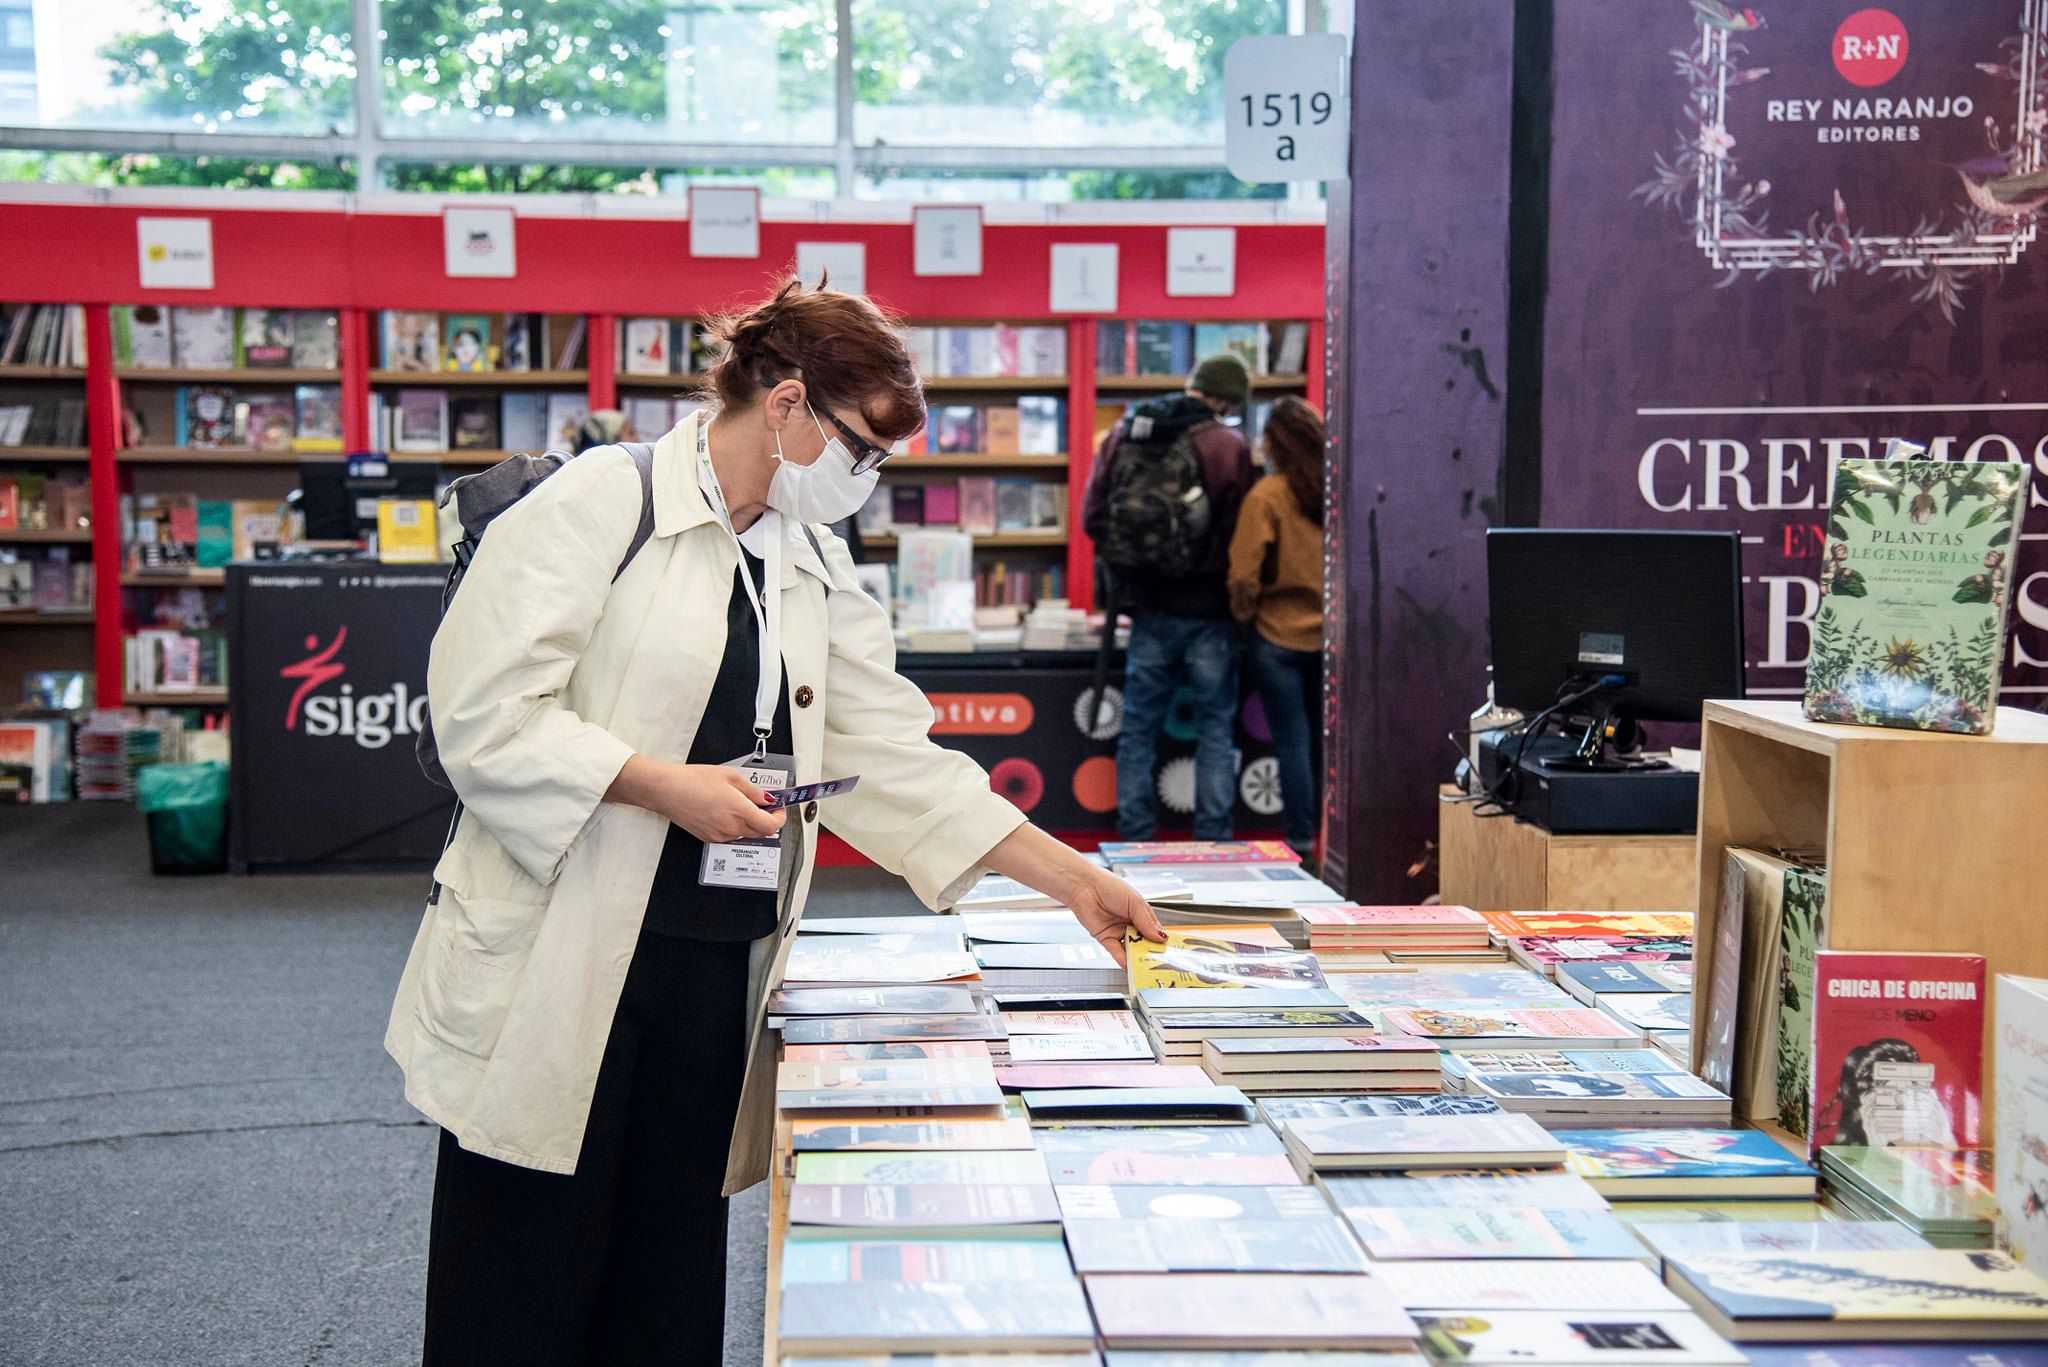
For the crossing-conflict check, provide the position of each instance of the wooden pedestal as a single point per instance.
(1932, 841)
(1496, 863)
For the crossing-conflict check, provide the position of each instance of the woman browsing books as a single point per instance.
(582, 1012)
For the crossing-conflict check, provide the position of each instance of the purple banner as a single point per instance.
(1779, 236)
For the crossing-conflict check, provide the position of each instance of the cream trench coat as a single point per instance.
(545, 677)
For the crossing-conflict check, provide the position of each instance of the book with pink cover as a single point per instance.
(1198, 852)
(1388, 918)
(1490, 1029)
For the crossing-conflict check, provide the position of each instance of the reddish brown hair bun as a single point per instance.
(845, 350)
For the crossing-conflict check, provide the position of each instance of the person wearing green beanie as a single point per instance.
(1161, 506)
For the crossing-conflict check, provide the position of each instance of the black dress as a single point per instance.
(624, 1262)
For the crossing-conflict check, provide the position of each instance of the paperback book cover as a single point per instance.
(1082, 1203)
(265, 339)
(1318, 1243)
(1278, 1110)
(1100, 1048)
(1623, 1160)
(1589, 1061)
(1587, 981)
(860, 1001)
(1454, 1189)
(412, 341)
(1803, 933)
(995, 1166)
(203, 338)
(1244, 956)
(1531, 1284)
(647, 347)
(1391, 1233)
(837, 1136)
(1939, 1293)
(1910, 631)
(1928, 1188)
(1952, 1354)
(316, 339)
(1649, 1010)
(1504, 1140)
(1219, 1310)
(1560, 1338)
(881, 1207)
(2022, 1142)
(1544, 1029)
(1898, 1051)
(1121, 852)
(933, 1317)
(1683, 1240)
(876, 1029)
(844, 1262)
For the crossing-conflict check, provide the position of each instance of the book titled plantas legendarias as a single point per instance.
(1910, 631)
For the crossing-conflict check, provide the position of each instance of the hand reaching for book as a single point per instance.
(1109, 907)
(1113, 912)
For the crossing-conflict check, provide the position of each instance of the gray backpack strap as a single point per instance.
(643, 461)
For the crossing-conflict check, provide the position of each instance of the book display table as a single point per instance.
(1931, 839)
(1501, 863)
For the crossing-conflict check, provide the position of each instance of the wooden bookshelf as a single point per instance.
(682, 383)
(45, 455)
(996, 383)
(216, 455)
(481, 379)
(994, 541)
(35, 617)
(244, 375)
(476, 455)
(198, 697)
(967, 464)
(174, 579)
(1952, 869)
(46, 536)
(41, 372)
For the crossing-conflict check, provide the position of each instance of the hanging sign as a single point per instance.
(1201, 262)
(479, 242)
(1084, 277)
(725, 220)
(176, 253)
(1286, 109)
(842, 265)
(947, 240)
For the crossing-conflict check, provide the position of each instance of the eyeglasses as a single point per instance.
(866, 455)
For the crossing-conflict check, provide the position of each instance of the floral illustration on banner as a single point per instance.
(1913, 587)
(2002, 194)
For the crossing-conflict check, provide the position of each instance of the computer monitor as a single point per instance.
(341, 505)
(1662, 610)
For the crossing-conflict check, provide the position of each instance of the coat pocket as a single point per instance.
(474, 961)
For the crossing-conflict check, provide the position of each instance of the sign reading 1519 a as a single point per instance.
(1285, 109)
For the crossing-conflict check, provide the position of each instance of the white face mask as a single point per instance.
(826, 490)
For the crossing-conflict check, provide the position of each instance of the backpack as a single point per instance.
(479, 499)
(1158, 511)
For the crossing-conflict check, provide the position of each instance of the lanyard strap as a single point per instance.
(768, 685)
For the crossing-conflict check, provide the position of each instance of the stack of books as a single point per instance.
(1344, 934)
(1289, 1064)
(1227, 882)
(1943, 1195)
(1543, 940)
(1225, 981)
(1888, 1295)
(1573, 1088)
(1376, 1143)
(1710, 1165)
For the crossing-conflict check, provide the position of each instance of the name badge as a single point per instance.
(755, 865)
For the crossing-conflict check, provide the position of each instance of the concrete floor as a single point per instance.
(204, 1155)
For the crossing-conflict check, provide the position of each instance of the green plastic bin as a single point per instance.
(187, 809)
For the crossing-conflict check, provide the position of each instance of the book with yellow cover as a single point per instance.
(1899, 1294)
(1226, 956)
(405, 531)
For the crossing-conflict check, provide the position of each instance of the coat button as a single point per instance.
(810, 811)
(803, 695)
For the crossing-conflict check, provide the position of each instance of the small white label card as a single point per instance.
(947, 240)
(1201, 261)
(725, 220)
(176, 253)
(842, 265)
(480, 242)
(1084, 277)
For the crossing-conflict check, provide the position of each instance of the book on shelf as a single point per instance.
(142, 336)
(268, 422)
(203, 338)
(2020, 1053)
(569, 356)
(1041, 425)
(473, 422)
(316, 339)
(264, 339)
(411, 340)
(470, 349)
(526, 341)
(43, 335)
(1802, 934)
(1246, 341)
(523, 421)
(956, 429)
(647, 345)
(566, 411)
(317, 416)
(420, 422)
(941, 504)
(1898, 1054)
(1883, 1295)
(1001, 432)
(1917, 574)
(206, 417)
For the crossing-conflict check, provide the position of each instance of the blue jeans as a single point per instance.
(1160, 646)
(1290, 684)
